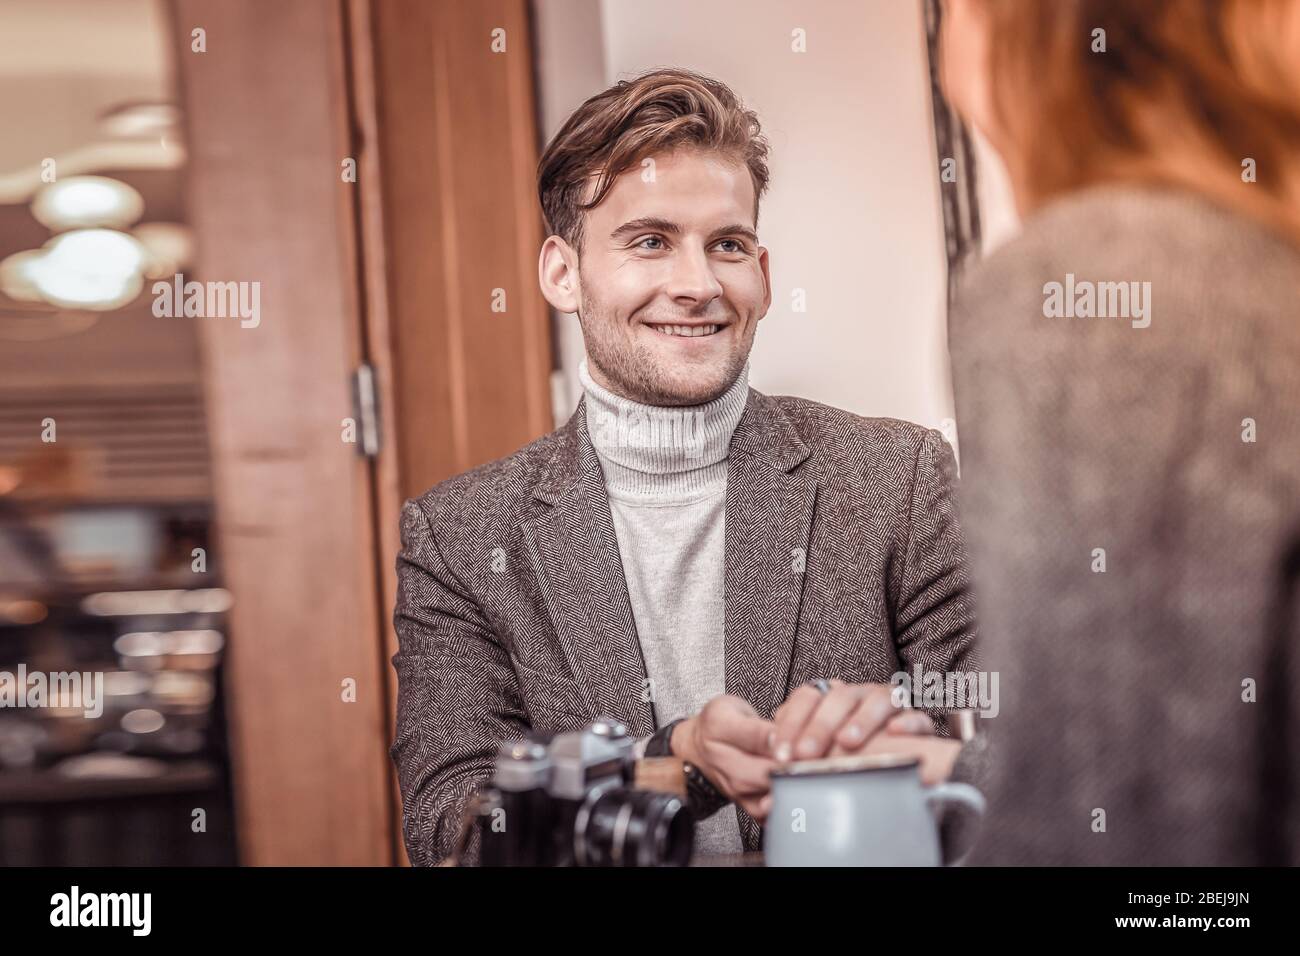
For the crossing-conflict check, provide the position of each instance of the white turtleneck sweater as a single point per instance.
(665, 473)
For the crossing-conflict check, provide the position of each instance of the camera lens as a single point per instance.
(625, 827)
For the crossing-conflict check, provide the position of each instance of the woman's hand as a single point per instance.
(911, 734)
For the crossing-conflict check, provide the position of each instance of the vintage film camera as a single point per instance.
(571, 802)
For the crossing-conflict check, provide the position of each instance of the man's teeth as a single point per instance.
(687, 330)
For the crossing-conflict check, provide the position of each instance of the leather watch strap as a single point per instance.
(660, 743)
(702, 797)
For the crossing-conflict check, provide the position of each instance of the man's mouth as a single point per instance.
(687, 331)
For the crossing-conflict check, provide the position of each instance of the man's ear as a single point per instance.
(557, 274)
(767, 280)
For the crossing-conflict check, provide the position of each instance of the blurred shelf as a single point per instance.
(74, 588)
(49, 786)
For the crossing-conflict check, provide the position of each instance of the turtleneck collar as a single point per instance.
(663, 453)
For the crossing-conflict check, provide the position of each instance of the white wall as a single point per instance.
(853, 215)
(999, 221)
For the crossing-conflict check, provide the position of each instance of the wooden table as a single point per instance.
(754, 858)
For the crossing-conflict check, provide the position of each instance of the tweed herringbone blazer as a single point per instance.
(843, 559)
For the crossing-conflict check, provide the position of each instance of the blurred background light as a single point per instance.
(196, 642)
(141, 644)
(142, 721)
(141, 120)
(169, 246)
(115, 603)
(153, 643)
(96, 269)
(110, 766)
(22, 611)
(18, 276)
(82, 202)
(126, 683)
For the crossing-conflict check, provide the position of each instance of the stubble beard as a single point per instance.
(635, 372)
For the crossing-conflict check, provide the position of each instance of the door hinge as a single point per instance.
(366, 400)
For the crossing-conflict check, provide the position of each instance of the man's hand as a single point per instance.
(730, 744)
(737, 749)
(811, 725)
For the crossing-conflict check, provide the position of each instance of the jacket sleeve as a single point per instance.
(457, 696)
(933, 614)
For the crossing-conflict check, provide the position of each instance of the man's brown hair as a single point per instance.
(633, 119)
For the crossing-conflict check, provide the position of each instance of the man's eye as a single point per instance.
(652, 243)
(731, 246)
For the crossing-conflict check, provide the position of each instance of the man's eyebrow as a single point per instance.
(651, 223)
(735, 229)
(655, 224)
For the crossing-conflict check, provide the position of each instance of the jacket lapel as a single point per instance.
(574, 554)
(769, 520)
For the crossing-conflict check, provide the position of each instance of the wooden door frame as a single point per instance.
(387, 268)
(266, 111)
(428, 96)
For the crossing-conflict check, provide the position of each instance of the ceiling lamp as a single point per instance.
(84, 202)
(141, 120)
(18, 276)
(170, 246)
(97, 269)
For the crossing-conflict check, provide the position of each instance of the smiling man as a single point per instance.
(732, 575)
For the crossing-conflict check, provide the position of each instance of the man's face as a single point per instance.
(664, 254)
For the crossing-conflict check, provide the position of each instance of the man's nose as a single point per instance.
(692, 281)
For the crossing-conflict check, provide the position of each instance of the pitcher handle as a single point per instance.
(943, 795)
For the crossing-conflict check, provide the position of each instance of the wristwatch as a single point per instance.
(702, 797)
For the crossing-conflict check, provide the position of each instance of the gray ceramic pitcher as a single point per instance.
(866, 810)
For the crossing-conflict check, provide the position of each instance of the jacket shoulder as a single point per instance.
(843, 442)
(500, 487)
